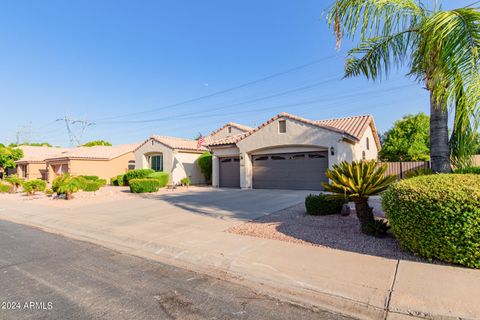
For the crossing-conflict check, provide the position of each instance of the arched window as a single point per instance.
(368, 144)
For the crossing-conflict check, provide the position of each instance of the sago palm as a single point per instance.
(358, 181)
(440, 49)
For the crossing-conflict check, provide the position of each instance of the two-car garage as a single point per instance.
(299, 171)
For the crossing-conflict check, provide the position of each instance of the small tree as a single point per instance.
(96, 143)
(358, 181)
(15, 182)
(408, 140)
(8, 156)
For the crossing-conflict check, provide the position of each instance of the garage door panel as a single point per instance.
(290, 171)
(230, 172)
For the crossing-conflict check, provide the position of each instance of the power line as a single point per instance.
(241, 86)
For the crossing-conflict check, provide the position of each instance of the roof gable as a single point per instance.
(174, 143)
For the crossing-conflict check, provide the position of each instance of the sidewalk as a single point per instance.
(358, 285)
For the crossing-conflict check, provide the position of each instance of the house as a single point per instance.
(178, 156)
(290, 152)
(32, 165)
(102, 161)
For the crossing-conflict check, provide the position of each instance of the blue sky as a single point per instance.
(102, 60)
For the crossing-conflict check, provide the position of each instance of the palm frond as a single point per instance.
(375, 57)
(373, 18)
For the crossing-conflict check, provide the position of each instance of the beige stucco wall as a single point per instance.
(224, 133)
(50, 167)
(105, 169)
(178, 163)
(35, 170)
(372, 152)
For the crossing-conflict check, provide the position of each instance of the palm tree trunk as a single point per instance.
(364, 213)
(439, 144)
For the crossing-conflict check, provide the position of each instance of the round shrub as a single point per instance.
(91, 178)
(121, 180)
(162, 177)
(137, 174)
(144, 185)
(91, 186)
(322, 204)
(437, 216)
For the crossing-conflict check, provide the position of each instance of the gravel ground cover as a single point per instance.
(332, 231)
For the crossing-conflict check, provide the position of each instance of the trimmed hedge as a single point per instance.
(205, 164)
(114, 181)
(162, 177)
(322, 204)
(468, 170)
(30, 187)
(91, 178)
(136, 174)
(144, 185)
(437, 216)
(121, 180)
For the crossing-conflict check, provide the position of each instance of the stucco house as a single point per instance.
(290, 152)
(33, 165)
(178, 156)
(102, 161)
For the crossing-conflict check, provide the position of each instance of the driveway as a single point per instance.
(231, 203)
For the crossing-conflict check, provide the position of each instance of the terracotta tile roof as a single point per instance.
(175, 143)
(240, 127)
(354, 126)
(96, 152)
(226, 141)
(39, 154)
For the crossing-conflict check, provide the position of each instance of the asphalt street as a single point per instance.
(46, 276)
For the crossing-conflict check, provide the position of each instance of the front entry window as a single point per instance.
(156, 163)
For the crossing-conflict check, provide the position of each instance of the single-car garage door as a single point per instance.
(230, 172)
(300, 171)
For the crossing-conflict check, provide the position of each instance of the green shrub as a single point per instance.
(144, 185)
(91, 178)
(121, 180)
(185, 182)
(102, 182)
(468, 170)
(5, 187)
(437, 216)
(205, 164)
(378, 228)
(67, 185)
(91, 186)
(14, 181)
(322, 204)
(417, 172)
(30, 187)
(114, 181)
(49, 192)
(137, 174)
(162, 177)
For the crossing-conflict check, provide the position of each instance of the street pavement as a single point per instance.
(47, 276)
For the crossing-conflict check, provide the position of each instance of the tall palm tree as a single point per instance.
(440, 48)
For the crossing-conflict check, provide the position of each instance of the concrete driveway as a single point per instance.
(231, 203)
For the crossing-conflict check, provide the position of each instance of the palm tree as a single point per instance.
(357, 181)
(440, 48)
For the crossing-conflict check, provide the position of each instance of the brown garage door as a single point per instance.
(230, 172)
(299, 171)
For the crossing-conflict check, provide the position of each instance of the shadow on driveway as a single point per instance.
(232, 203)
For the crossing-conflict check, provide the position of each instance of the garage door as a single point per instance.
(230, 172)
(300, 171)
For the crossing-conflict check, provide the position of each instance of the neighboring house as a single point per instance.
(33, 165)
(178, 156)
(290, 152)
(102, 161)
